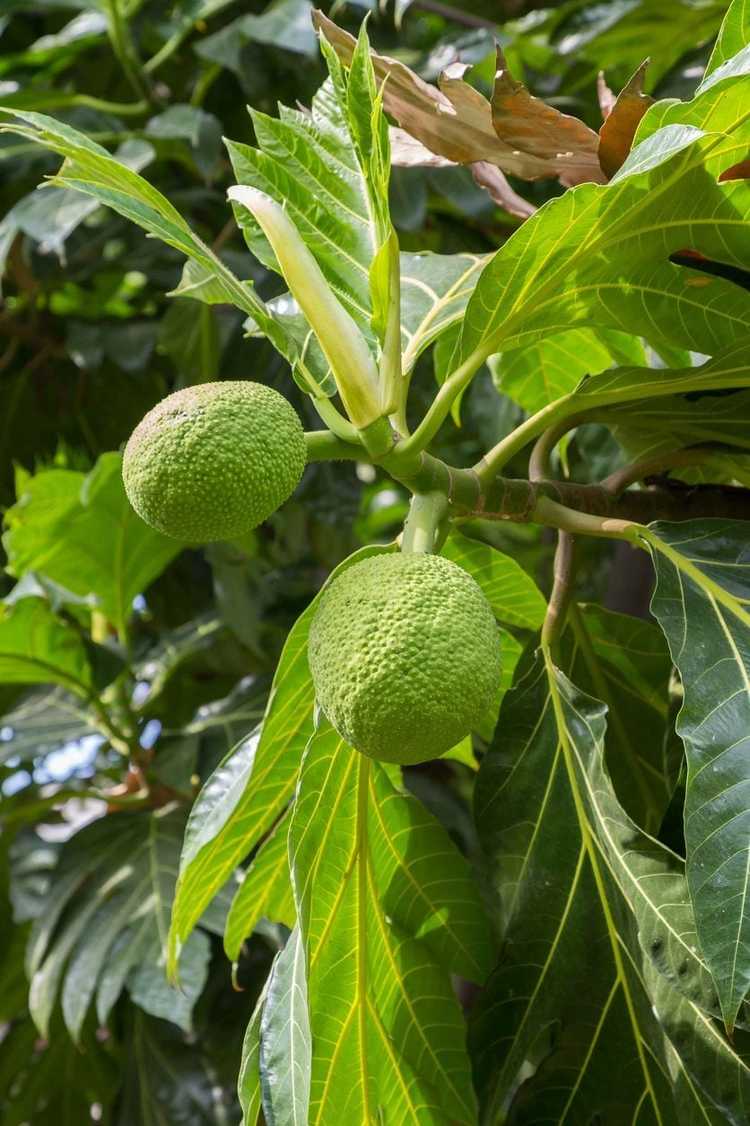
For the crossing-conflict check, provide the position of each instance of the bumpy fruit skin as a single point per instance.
(405, 656)
(212, 461)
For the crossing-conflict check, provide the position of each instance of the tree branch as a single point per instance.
(511, 499)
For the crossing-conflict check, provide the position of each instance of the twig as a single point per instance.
(618, 481)
(562, 588)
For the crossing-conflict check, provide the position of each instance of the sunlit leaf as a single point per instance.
(600, 255)
(513, 595)
(81, 531)
(250, 788)
(386, 908)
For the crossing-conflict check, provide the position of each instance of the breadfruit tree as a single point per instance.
(545, 917)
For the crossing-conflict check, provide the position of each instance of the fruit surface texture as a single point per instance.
(213, 461)
(405, 656)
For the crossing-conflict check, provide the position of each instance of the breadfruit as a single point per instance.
(405, 656)
(212, 461)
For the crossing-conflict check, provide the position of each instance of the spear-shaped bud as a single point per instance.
(343, 345)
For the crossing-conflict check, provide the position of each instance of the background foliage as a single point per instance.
(113, 643)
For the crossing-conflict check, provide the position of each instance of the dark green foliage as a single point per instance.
(210, 906)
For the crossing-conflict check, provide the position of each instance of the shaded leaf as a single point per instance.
(43, 721)
(624, 662)
(702, 602)
(598, 938)
(114, 885)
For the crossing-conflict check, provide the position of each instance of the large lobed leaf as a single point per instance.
(702, 602)
(249, 790)
(600, 255)
(387, 909)
(103, 924)
(599, 958)
(81, 531)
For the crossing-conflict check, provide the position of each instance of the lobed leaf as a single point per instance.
(600, 255)
(81, 531)
(252, 786)
(598, 937)
(114, 884)
(702, 602)
(386, 908)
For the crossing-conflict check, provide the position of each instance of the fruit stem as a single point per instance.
(322, 445)
(425, 526)
(393, 388)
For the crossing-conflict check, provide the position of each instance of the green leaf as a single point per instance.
(190, 337)
(513, 595)
(729, 368)
(81, 532)
(251, 787)
(54, 1082)
(201, 131)
(671, 423)
(598, 941)
(104, 924)
(37, 647)
(625, 663)
(734, 35)
(600, 255)
(50, 217)
(166, 1078)
(265, 892)
(330, 170)
(386, 909)
(41, 722)
(434, 292)
(285, 1055)
(248, 1082)
(284, 23)
(536, 374)
(90, 169)
(702, 602)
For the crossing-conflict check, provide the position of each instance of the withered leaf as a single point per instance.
(620, 123)
(555, 139)
(518, 133)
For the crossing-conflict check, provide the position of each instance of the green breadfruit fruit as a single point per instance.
(212, 461)
(405, 656)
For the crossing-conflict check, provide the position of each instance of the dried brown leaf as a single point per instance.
(542, 133)
(456, 121)
(493, 181)
(617, 133)
(408, 152)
